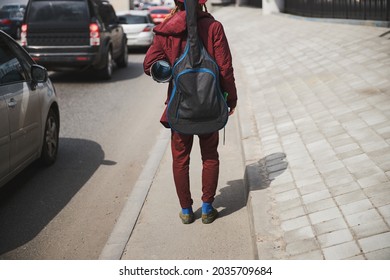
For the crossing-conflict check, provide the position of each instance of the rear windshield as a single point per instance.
(4, 14)
(135, 19)
(160, 11)
(13, 7)
(12, 14)
(58, 11)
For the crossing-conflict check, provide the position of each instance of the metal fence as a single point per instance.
(348, 9)
(255, 3)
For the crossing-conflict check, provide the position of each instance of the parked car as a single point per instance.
(74, 34)
(11, 22)
(138, 26)
(159, 13)
(29, 114)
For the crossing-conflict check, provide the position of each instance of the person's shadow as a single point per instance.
(230, 198)
(259, 175)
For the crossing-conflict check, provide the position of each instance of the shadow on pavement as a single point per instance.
(30, 201)
(263, 172)
(231, 198)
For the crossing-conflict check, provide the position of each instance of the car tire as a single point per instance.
(18, 33)
(123, 59)
(50, 139)
(106, 72)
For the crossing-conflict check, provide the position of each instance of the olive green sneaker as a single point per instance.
(210, 217)
(187, 218)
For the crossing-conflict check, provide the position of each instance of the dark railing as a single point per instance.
(255, 3)
(348, 9)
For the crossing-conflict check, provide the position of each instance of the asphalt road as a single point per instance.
(68, 211)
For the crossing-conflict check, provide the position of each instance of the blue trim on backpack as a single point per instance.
(186, 49)
(216, 77)
(194, 70)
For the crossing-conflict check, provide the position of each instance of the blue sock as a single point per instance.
(186, 211)
(206, 207)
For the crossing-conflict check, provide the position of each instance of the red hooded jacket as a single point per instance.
(170, 41)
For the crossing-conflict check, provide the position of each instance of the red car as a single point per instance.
(159, 13)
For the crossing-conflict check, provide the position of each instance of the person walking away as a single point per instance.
(168, 45)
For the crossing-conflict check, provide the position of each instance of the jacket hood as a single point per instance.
(177, 25)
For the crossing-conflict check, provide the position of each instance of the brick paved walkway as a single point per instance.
(314, 111)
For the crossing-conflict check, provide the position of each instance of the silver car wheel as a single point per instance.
(50, 145)
(109, 64)
(106, 72)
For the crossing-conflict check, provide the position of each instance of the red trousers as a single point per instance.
(181, 146)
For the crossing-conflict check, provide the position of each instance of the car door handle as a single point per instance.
(12, 103)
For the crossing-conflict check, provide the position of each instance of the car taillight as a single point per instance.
(5, 21)
(82, 58)
(94, 34)
(23, 35)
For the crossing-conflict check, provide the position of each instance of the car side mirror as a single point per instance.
(38, 73)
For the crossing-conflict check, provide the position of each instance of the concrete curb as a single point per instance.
(257, 199)
(121, 233)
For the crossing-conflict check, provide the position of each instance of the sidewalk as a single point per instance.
(313, 122)
(314, 111)
(159, 233)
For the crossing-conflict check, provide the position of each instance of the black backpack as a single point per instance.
(197, 104)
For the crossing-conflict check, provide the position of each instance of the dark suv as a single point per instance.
(76, 34)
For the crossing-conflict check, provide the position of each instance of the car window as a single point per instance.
(11, 14)
(16, 14)
(4, 14)
(58, 11)
(11, 7)
(11, 71)
(108, 14)
(132, 19)
(24, 59)
(160, 11)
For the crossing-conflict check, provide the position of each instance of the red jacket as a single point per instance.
(170, 40)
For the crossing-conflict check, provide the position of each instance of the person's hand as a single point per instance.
(231, 111)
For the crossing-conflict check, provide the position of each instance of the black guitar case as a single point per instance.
(197, 104)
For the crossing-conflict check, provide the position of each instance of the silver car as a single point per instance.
(29, 113)
(138, 26)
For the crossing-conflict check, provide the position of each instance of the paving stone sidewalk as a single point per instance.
(314, 110)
